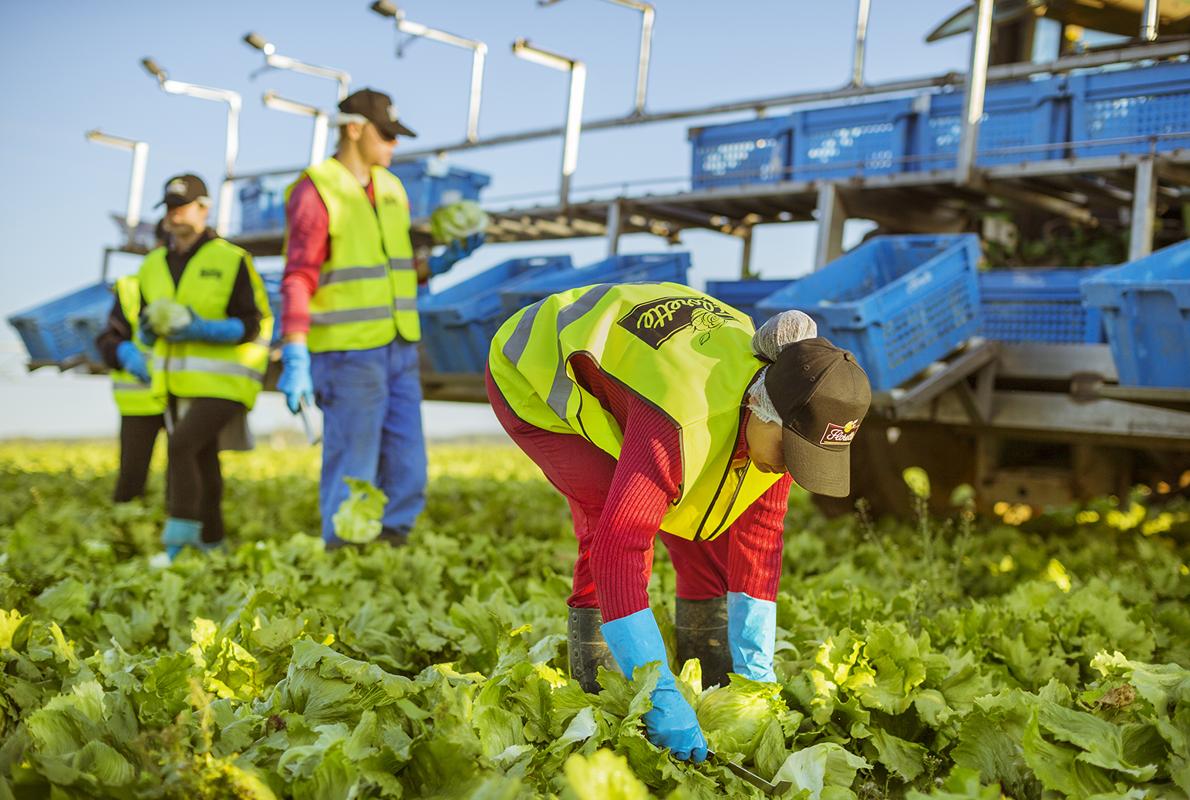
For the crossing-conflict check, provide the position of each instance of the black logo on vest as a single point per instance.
(210, 272)
(656, 321)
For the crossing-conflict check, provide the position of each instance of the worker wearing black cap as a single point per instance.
(208, 365)
(654, 407)
(349, 315)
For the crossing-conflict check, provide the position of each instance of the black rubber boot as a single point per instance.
(588, 650)
(700, 628)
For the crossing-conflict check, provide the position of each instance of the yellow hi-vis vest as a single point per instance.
(133, 398)
(367, 291)
(684, 353)
(205, 369)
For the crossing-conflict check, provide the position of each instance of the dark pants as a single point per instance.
(195, 482)
(138, 435)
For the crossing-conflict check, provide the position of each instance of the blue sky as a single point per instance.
(74, 65)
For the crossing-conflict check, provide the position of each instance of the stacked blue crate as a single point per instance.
(899, 303)
(431, 183)
(740, 153)
(1023, 121)
(1146, 107)
(1038, 305)
(745, 295)
(458, 323)
(873, 138)
(51, 333)
(262, 204)
(1146, 310)
(638, 268)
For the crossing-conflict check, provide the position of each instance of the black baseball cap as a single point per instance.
(377, 108)
(183, 189)
(822, 395)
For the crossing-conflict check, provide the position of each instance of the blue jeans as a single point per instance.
(371, 412)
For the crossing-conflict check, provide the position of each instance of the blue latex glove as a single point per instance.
(180, 533)
(751, 635)
(295, 381)
(216, 331)
(145, 331)
(634, 641)
(132, 360)
(455, 252)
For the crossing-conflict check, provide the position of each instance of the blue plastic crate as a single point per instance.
(638, 268)
(1146, 309)
(744, 295)
(1020, 119)
(1038, 305)
(898, 302)
(739, 153)
(1149, 101)
(845, 141)
(430, 183)
(47, 329)
(87, 327)
(458, 323)
(262, 205)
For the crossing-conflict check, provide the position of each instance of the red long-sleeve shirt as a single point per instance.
(644, 482)
(308, 247)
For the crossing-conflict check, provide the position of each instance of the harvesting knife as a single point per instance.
(313, 437)
(751, 777)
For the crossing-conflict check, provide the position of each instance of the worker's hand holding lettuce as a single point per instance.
(177, 323)
(635, 640)
(455, 252)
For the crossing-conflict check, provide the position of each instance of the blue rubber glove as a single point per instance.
(634, 641)
(145, 331)
(455, 252)
(295, 381)
(132, 360)
(751, 636)
(216, 331)
(180, 533)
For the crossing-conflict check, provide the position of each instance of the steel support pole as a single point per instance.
(1144, 210)
(746, 256)
(977, 78)
(136, 184)
(861, 42)
(1149, 21)
(831, 216)
(615, 224)
(574, 125)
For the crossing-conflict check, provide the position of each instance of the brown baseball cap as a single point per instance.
(822, 396)
(181, 190)
(377, 108)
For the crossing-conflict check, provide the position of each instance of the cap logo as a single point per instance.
(176, 186)
(840, 434)
(392, 113)
(656, 321)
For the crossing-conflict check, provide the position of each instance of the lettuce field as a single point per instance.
(1023, 656)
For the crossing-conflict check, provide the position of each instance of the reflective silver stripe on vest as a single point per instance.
(211, 366)
(124, 386)
(514, 348)
(345, 274)
(560, 390)
(400, 263)
(405, 304)
(369, 314)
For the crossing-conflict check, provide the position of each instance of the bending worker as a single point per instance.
(141, 412)
(349, 297)
(653, 407)
(209, 370)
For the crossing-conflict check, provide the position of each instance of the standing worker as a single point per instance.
(208, 370)
(141, 412)
(653, 407)
(349, 296)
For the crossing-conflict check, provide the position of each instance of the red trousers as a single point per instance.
(583, 473)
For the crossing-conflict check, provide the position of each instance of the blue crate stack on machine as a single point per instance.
(639, 267)
(899, 303)
(458, 323)
(1038, 305)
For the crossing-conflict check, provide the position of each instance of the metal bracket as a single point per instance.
(979, 357)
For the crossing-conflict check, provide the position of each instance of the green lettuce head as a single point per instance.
(733, 716)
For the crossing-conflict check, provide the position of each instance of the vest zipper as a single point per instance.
(740, 472)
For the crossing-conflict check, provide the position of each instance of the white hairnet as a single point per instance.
(781, 331)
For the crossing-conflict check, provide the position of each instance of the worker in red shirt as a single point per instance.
(654, 407)
(349, 316)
